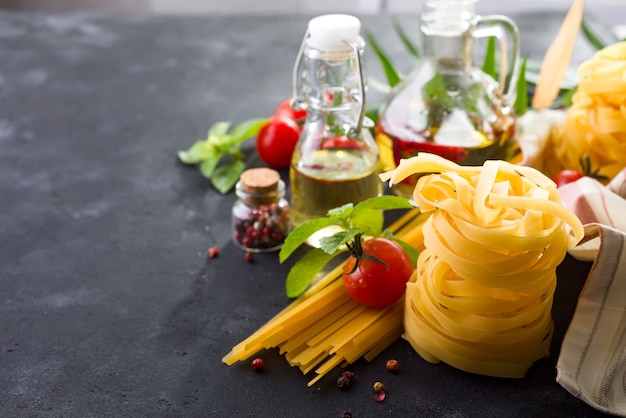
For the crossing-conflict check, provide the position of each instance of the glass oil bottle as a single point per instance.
(448, 106)
(336, 158)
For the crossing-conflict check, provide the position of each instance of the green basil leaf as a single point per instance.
(200, 150)
(218, 129)
(207, 166)
(406, 41)
(341, 212)
(489, 64)
(247, 129)
(521, 100)
(410, 250)
(226, 176)
(369, 221)
(591, 37)
(299, 235)
(332, 243)
(304, 271)
(392, 75)
(385, 202)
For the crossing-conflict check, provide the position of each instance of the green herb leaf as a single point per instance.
(199, 151)
(489, 64)
(218, 129)
(247, 129)
(521, 100)
(342, 211)
(334, 242)
(299, 235)
(207, 166)
(209, 153)
(406, 41)
(591, 37)
(225, 177)
(384, 203)
(390, 72)
(304, 271)
(369, 221)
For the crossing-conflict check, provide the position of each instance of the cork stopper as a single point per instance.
(260, 185)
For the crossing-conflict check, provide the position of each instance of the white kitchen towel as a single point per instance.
(592, 361)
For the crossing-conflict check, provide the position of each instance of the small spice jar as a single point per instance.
(261, 214)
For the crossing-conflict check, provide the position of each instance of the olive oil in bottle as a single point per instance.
(335, 161)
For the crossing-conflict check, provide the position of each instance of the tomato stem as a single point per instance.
(356, 250)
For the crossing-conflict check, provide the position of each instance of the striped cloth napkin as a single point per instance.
(592, 361)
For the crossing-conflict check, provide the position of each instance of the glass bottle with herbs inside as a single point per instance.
(335, 160)
(448, 106)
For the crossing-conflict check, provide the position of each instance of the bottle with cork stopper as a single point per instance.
(260, 215)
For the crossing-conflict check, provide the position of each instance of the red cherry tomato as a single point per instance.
(285, 110)
(567, 176)
(277, 140)
(374, 284)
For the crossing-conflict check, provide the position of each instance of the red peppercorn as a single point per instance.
(258, 364)
(392, 366)
(346, 379)
(249, 257)
(380, 396)
(213, 251)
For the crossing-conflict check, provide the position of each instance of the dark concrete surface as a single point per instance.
(108, 304)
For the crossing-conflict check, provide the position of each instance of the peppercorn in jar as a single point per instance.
(261, 214)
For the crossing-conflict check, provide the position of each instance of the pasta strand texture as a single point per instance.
(482, 297)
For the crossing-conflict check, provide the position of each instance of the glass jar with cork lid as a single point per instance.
(260, 216)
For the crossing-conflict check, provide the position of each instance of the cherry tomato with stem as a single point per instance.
(376, 273)
(277, 140)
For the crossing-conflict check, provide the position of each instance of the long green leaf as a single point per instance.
(247, 129)
(406, 41)
(200, 150)
(304, 271)
(521, 101)
(392, 75)
(300, 234)
(489, 64)
(225, 177)
(591, 37)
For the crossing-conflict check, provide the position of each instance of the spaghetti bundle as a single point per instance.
(595, 124)
(325, 328)
(482, 297)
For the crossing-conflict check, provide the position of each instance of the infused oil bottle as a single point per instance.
(447, 105)
(336, 158)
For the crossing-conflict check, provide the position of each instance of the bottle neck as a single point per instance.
(446, 28)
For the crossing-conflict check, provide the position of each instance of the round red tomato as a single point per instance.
(375, 284)
(567, 176)
(277, 140)
(284, 109)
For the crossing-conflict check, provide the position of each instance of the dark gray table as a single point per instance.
(108, 304)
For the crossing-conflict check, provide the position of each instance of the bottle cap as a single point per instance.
(331, 32)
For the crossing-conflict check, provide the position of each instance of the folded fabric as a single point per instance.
(592, 361)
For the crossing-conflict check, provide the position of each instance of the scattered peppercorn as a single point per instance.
(378, 386)
(346, 414)
(249, 257)
(380, 396)
(258, 364)
(346, 379)
(392, 366)
(213, 251)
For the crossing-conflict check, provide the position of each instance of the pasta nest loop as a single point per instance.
(482, 297)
